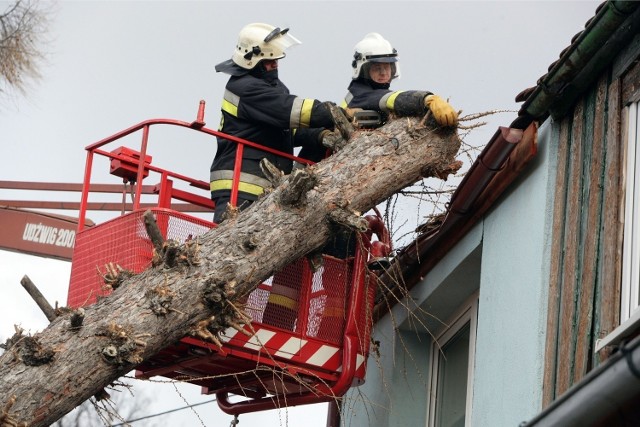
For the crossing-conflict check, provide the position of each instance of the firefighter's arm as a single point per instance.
(320, 116)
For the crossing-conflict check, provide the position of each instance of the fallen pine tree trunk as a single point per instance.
(43, 377)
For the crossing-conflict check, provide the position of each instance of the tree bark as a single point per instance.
(45, 376)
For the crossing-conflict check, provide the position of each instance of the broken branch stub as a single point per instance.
(37, 296)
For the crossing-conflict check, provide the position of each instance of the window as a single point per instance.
(630, 286)
(630, 295)
(451, 371)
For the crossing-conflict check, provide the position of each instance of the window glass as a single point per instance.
(630, 280)
(451, 369)
(452, 381)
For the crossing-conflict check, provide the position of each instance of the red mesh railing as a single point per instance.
(122, 241)
(328, 301)
(315, 303)
(365, 316)
(321, 303)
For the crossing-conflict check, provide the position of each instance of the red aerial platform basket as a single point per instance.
(311, 354)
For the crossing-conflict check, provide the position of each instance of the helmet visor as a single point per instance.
(382, 58)
(285, 41)
(366, 68)
(281, 38)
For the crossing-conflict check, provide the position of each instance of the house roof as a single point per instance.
(511, 148)
(590, 52)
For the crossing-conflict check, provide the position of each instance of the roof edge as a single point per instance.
(584, 56)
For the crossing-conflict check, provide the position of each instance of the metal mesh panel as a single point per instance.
(365, 317)
(320, 299)
(317, 303)
(287, 295)
(122, 241)
(331, 299)
(310, 304)
(258, 300)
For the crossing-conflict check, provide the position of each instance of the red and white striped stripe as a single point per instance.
(296, 349)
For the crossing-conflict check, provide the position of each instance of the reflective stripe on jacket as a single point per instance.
(251, 184)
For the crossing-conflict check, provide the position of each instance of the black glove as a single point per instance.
(332, 140)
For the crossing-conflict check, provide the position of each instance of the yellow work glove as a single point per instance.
(442, 111)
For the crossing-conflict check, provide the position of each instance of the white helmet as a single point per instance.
(261, 41)
(374, 48)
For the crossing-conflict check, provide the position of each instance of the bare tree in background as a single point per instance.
(23, 26)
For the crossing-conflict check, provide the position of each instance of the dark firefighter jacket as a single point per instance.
(262, 111)
(363, 94)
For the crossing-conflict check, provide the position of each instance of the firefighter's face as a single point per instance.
(270, 64)
(380, 72)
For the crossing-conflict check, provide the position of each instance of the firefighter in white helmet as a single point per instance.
(375, 64)
(258, 107)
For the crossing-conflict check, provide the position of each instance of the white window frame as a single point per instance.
(631, 246)
(468, 314)
(630, 286)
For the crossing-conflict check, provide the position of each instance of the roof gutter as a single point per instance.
(604, 395)
(489, 162)
(614, 24)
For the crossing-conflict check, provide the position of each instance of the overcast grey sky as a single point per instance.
(113, 64)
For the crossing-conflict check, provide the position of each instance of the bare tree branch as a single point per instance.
(23, 26)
